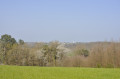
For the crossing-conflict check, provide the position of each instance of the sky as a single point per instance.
(62, 20)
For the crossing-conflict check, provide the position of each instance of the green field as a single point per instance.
(28, 72)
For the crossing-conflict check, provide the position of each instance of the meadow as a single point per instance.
(35, 72)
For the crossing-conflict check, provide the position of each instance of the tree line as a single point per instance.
(57, 54)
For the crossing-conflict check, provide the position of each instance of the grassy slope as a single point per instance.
(27, 72)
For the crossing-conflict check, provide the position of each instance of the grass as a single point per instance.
(28, 72)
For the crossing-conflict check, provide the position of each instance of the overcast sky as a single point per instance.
(62, 20)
